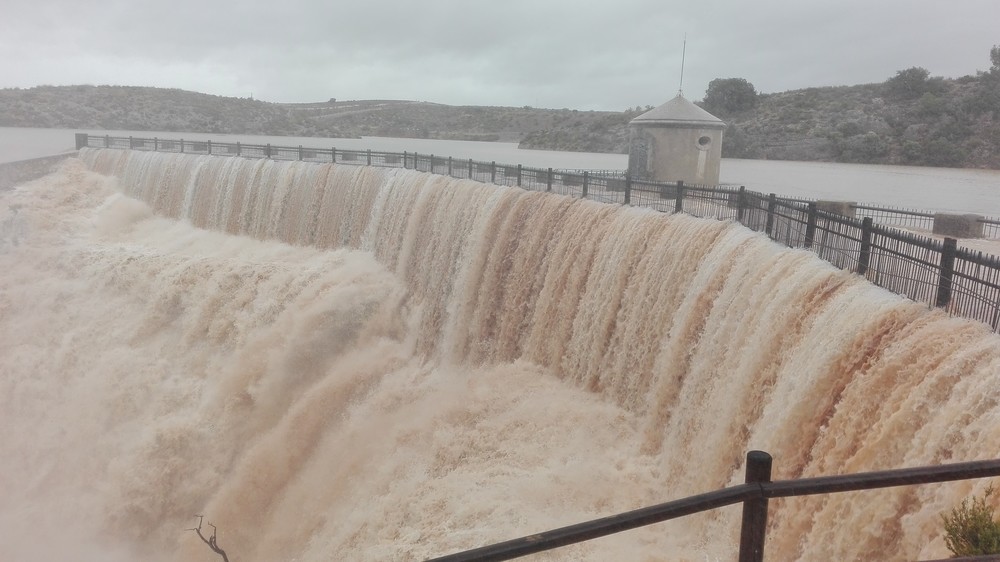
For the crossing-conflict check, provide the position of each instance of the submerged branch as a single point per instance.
(210, 541)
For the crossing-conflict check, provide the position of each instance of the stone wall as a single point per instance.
(14, 173)
(958, 225)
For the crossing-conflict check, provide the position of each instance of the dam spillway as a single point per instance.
(374, 364)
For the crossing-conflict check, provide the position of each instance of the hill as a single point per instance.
(160, 109)
(909, 119)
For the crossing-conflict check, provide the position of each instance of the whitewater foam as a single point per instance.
(370, 364)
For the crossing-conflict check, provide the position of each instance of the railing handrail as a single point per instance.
(594, 173)
(959, 280)
(882, 479)
(604, 526)
(894, 210)
(753, 490)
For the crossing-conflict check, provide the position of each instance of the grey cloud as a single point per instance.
(598, 54)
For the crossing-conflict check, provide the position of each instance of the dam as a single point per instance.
(383, 364)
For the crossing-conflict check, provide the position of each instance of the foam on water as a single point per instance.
(337, 362)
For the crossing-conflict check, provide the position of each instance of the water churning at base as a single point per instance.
(339, 362)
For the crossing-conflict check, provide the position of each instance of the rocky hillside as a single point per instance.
(928, 121)
(909, 119)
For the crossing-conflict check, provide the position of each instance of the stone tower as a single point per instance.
(677, 141)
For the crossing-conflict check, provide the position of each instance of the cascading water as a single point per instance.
(337, 362)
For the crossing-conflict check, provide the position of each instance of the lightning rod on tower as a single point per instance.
(680, 88)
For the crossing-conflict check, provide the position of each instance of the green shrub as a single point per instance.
(970, 529)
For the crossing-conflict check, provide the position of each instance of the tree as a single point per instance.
(863, 148)
(944, 153)
(908, 84)
(986, 96)
(739, 144)
(730, 95)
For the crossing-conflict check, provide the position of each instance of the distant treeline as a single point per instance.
(911, 118)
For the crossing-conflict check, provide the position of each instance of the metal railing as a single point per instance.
(892, 216)
(939, 273)
(754, 494)
(991, 228)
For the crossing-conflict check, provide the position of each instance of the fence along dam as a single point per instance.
(344, 362)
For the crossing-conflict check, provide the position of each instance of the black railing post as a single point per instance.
(209, 143)
(548, 181)
(754, 528)
(772, 203)
(493, 172)
(300, 152)
(405, 156)
(107, 141)
(628, 188)
(586, 179)
(182, 146)
(131, 144)
(156, 144)
(679, 197)
(865, 252)
(432, 164)
(947, 272)
(239, 149)
(267, 150)
(470, 169)
(449, 166)
(518, 175)
(369, 157)
(810, 227)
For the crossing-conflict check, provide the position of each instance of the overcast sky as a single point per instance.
(584, 54)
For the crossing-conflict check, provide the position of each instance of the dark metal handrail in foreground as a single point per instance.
(983, 558)
(754, 495)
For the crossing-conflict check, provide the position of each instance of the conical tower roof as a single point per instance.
(679, 112)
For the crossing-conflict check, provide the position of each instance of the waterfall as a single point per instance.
(343, 362)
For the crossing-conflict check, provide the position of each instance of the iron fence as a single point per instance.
(991, 228)
(924, 269)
